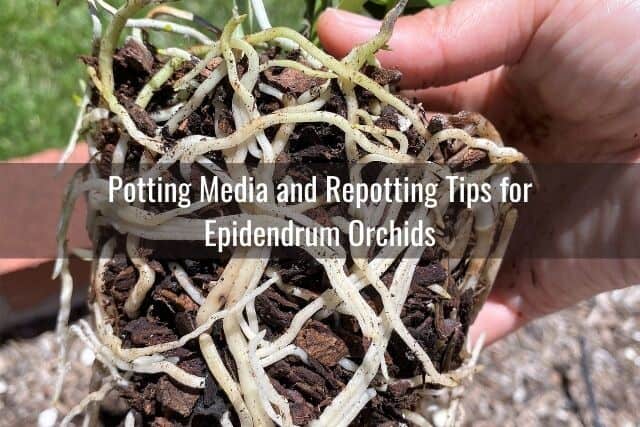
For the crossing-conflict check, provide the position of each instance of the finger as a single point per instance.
(497, 319)
(479, 94)
(506, 308)
(443, 45)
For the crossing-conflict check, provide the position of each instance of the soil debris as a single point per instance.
(134, 57)
(382, 76)
(321, 343)
(144, 332)
(176, 398)
(290, 80)
(141, 118)
(466, 158)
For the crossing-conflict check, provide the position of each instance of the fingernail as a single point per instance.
(344, 18)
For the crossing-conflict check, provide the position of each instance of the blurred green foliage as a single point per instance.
(378, 8)
(374, 8)
(40, 72)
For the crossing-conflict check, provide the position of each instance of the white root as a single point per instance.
(95, 396)
(183, 279)
(196, 100)
(283, 415)
(62, 334)
(224, 379)
(231, 298)
(77, 127)
(415, 418)
(252, 271)
(156, 82)
(146, 278)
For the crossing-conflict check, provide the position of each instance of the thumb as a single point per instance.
(443, 45)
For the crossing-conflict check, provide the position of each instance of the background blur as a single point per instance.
(40, 71)
(578, 367)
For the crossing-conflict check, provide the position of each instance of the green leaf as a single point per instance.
(355, 6)
(419, 4)
(388, 3)
(438, 2)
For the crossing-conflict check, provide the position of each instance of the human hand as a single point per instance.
(560, 79)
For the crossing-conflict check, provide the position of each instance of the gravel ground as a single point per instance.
(580, 367)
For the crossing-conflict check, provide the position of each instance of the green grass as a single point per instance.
(40, 72)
